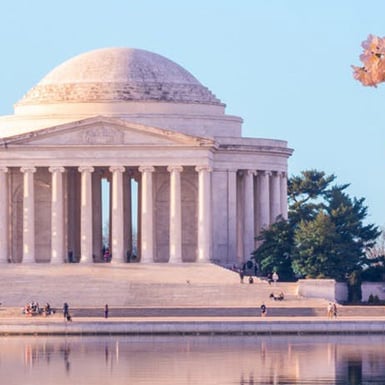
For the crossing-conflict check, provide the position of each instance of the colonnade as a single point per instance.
(263, 198)
(260, 197)
(117, 212)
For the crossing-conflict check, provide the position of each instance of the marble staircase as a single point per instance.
(135, 285)
(148, 289)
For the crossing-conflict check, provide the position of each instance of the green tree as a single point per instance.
(354, 238)
(374, 268)
(315, 255)
(274, 252)
(306, 193)
(324, 235)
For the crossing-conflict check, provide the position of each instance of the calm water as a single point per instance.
(249, 360)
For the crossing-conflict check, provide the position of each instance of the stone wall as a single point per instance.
(338, 291)
(374, 288)
(323, 288)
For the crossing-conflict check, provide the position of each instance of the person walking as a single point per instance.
(106, 310)
(263, 310)
(65, 310)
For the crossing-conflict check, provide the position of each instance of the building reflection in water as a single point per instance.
(248, 360)
(65, 349)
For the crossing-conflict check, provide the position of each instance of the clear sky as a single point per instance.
(282, 65)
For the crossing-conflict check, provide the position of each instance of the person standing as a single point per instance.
(107, 255)
(241, 275)
(106, 310)
(334, 310)
(330, 310)
(263, 310)
(65, 310)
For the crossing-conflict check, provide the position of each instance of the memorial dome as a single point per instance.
(118, 75)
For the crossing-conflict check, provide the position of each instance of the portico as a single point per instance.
(61, 218)
(202, 196)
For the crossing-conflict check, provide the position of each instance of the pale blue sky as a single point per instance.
(282, 65)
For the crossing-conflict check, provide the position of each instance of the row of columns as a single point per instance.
(259, 213)
(117, 214)
(271, 193)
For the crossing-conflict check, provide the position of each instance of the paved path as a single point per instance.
(53, 325)
(176, 326)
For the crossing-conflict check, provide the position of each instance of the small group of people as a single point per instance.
(242, 277)
(279, 297)
(33, 308)
(248, 269)
(332, 310)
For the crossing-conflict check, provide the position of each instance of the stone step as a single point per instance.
(344, 311)
(197, 312)
(139, 285)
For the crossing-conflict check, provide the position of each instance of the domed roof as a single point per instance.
(116, 75)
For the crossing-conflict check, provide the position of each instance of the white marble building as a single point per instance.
(127, 115)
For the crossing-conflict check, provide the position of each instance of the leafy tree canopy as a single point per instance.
(324, 236)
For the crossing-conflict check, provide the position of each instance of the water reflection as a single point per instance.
(251, 360)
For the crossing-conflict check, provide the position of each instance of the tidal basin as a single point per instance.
(103, 360)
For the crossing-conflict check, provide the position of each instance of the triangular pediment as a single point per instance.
(103, 131)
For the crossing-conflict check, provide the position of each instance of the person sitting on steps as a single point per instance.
(279, 297)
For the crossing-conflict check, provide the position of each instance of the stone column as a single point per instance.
(147, 216)
(283, 182)
(139, 220)
(28, 215)
(239, 216)
(264, 199)
(57, 215)
(248, 214)
(204, 213)
(232, 215)
(4, 204)
(275, 199)
(86, 214)
(175, 214)
(117, 218)
(127, 208)
(257, 230)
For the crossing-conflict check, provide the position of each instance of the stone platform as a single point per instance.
(166, 299)
(188, 326)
